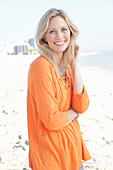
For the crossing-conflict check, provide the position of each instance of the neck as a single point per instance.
(58, 58)
(59, 66)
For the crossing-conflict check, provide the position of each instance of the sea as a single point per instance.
(102, 61)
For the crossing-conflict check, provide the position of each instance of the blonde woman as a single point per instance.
(56, 96)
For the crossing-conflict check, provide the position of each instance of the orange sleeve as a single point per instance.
(42, 88)
(80, 103)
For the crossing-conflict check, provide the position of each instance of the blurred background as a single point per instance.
(18, 23)
(19, 19)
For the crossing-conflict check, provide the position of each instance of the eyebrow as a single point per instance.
(61, 27)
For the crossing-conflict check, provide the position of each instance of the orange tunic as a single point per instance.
(52, 144)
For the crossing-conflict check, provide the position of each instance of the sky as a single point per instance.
(19, 20)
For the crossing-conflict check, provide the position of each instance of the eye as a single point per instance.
(64, 29)
(52, 31)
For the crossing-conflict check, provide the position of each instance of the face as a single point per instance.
(58, 34)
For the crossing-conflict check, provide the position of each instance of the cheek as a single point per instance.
(68, 35)
(50, 38)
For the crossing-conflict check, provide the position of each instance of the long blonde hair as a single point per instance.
(42, 44)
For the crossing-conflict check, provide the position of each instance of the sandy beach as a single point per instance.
(96, 123)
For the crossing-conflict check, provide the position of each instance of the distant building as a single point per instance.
(21, 49)
(31, 42)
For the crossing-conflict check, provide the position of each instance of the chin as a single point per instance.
(60, 50)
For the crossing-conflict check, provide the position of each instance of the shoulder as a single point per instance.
(40, 66)
(40, 62)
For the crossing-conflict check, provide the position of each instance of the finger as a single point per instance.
(76, 47)
(76, 50)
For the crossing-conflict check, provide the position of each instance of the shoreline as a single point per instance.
(15, 64)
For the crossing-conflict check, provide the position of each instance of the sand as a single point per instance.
(96, 123)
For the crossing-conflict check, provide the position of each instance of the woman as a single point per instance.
(56, 95)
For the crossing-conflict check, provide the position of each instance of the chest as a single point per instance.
(63, 91)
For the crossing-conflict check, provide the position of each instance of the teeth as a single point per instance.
(59, 43)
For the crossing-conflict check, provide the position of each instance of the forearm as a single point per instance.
(80, 100)
(71, 114)
(77, 80)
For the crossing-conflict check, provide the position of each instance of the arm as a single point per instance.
(77, 78)
(71, 114)
(80, 99)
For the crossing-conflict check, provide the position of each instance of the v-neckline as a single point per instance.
(61, 77)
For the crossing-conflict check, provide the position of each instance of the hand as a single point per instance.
(74, 120)
(75, 59)
(76, 50)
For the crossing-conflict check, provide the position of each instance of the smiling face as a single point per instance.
(58, 34)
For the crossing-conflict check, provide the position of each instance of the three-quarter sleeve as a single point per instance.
(43, 93)
(80, 103)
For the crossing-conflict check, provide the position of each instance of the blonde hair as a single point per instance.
(43, 45)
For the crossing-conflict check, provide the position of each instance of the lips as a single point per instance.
(59, 43)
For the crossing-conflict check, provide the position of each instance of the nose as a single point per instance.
(59, 34)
